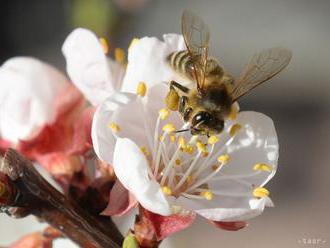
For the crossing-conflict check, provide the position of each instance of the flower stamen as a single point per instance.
(105, 45)
(234, 129)
(119, 55)
(167, 190)
(114, 127)
(163, 113)
(260, 192)
(207, 194)
(141, 89)
(263, 167)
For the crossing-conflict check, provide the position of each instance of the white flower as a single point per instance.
(169, 173)
(28, 91)
(89, 68)
(166, 171)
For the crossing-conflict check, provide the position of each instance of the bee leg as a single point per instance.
(172, 99)
(182, 104)
(180, 87)
(195, 131)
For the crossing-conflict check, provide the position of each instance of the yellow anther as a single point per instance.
(213, 140)
(201, 147)
(234, 129)
(233, 112)
(169, 128)
(161, 138)
(141, 89)
(189, 149)
(167, 190)
(260, 192)
(178, 162)
(104, 44)
(144, 150)
(163, 113)
(205, 154)
(119, 55)
(189, 179)
(133, 43)
(182, 142)
(224, 159)
(114, 127)
(172, 138)
(263, 167)
(215, 167)
(207, 194)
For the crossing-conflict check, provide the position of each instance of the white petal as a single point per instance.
(133, 122)
(88, 67)
(102, 136)
(251, 208)
(137, 119)
(28, 89)
(147, 61)
(131, 168)
(256, 142)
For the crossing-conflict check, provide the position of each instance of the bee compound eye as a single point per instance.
(202, 116)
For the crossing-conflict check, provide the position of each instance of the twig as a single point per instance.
(26, 192)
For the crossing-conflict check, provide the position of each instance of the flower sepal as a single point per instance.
(151, 228)
(230, 225)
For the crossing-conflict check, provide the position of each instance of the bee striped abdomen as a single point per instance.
(180, 61)
(183, 63)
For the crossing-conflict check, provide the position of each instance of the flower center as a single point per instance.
(181, 162)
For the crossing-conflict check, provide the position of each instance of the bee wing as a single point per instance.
(196, 36)
(262, 66)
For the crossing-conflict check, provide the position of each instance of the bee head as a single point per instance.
(206, 123)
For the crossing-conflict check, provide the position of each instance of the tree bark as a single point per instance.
(24, 191)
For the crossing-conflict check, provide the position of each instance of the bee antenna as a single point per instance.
(182, 130)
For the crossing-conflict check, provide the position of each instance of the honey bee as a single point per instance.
(208, 105)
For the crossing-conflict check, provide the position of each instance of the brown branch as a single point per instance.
(25, 191)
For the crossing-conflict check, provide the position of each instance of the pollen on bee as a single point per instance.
(167, 190)
(163, 113)
(213, 140)
(263, 167)
(224, 159)
(141, 89)
(234, 129)
(169, 128)
(260, 192)
(207, 194)
(105, 45)
(114, 127)
(119, 55)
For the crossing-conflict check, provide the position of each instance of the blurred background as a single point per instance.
(298, 100)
